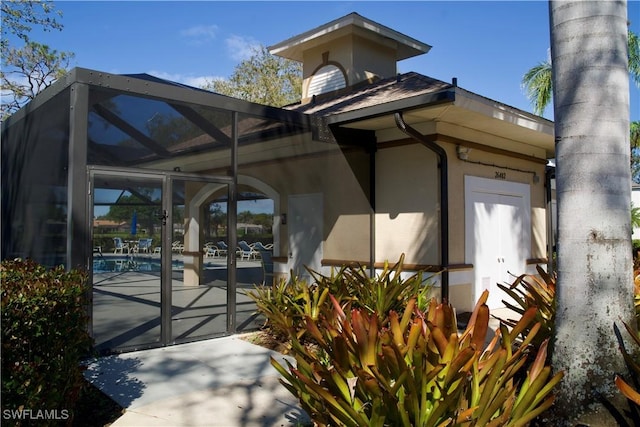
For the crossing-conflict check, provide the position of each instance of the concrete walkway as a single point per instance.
(222, 382)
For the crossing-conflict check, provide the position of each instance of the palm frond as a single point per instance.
(634, 56)
(538, 86)
(635, 216)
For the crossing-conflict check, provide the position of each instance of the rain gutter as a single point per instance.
(444, 199)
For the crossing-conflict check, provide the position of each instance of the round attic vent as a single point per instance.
(326, 79)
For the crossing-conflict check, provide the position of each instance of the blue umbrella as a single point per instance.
(134, 224)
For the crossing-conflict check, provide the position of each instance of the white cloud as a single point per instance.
(241, 48)
(200, 33)
(199, 81)
(190, 80)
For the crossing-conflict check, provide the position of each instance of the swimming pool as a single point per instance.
(130, 263)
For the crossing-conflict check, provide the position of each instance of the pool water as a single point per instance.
(106, 265)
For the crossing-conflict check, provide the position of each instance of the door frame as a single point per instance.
(474, 185)
(166, 179)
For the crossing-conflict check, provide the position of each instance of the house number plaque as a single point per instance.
(501, 175)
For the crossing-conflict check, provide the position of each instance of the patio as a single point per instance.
(127, 301)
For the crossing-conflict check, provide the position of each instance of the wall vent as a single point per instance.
(326, 79)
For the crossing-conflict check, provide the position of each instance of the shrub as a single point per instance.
(44, 335)
(414, 369)
(287, 304)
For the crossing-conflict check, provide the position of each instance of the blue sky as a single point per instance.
(488, 46)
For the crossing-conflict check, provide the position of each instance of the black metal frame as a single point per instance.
(80, 83)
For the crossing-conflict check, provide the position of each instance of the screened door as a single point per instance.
(199, 266)
(127, 229)
(156, 279)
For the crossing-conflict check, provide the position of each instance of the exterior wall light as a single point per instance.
(463, 152)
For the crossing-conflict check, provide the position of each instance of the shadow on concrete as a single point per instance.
(218, 382)
(115, 377)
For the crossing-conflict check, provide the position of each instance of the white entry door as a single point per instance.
(305, 217)
(498, 234)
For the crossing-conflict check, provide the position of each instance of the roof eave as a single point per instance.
(460, 100)
(408, 47)
(420, 101)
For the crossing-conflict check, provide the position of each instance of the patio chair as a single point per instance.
(177, 246)
(245, 251)
(258, 246)
(223, 249)
(119, 245)
(144, 245)
(266, 259)
(211, 250)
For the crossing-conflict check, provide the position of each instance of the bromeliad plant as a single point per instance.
(387, 291)
(631, 390)
(529, 291)
(414, 369)
(288, 304)
(539, 292)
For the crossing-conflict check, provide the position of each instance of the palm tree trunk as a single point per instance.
(595, 284)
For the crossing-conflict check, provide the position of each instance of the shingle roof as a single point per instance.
(387, 90)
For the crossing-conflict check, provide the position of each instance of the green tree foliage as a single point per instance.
(147, 211)
(217, 219)
(635, 216)
(263, 219)
(19, 17)
(264, 79)
(537, 84)
(634, 57)
(28, 67)
(245, 217)
(634, 139)
(537, 81)
(539, 90)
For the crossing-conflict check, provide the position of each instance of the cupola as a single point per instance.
(346, 52)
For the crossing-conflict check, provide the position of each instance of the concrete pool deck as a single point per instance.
(127, 302)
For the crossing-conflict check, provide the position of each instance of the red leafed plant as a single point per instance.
(413, 368)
